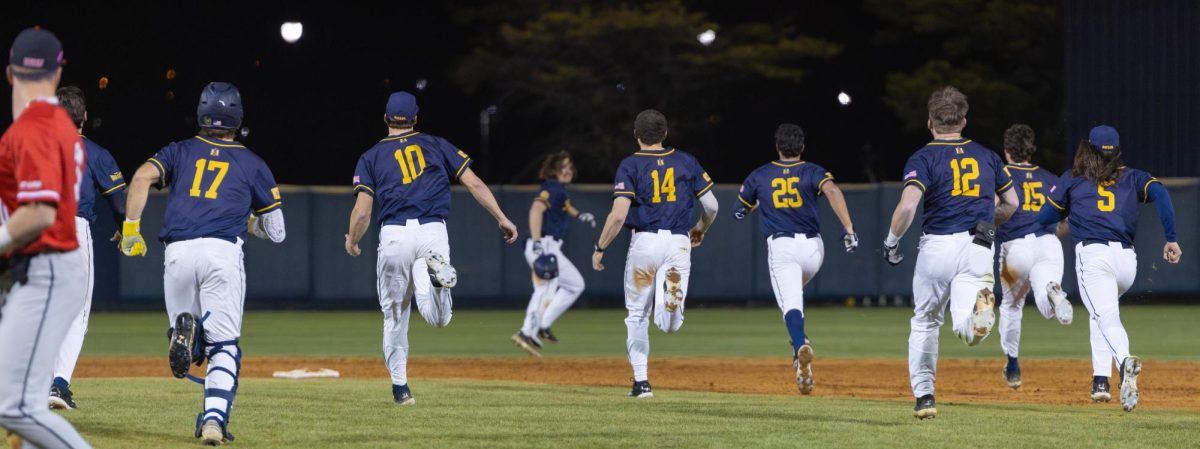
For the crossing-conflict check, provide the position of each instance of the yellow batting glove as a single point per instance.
(132, 243)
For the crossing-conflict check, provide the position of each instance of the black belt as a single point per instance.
(1087, 242)
(655, 231)
(789, 235)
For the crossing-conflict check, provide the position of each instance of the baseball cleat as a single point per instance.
(674, 290)
(211, 434)
(60, 395)
(527, 344)
(402, 396)
(546, 335)
(1129, 389)
(925, 408)
(985, 314)
(1062, 307)
(1012, 373)
(641, 389)
(440, 272)
(803, 364)
(180, 351)
(1100, 391)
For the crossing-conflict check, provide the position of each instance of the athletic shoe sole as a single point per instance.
(1012, 383)
(985, 314)
(441, 270)
(1129, 388)
(926, 413)
(674, 290)
(1062, 307)
(524, 345)
(211, 435)
(57, 403)
(804, 377)
(1101, 397)
(180, 350)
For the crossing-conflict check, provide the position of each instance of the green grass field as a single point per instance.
(160, 412)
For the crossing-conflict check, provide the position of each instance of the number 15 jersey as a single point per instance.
(960, 180)
(409, 175)
(213, 186)
(663, 185)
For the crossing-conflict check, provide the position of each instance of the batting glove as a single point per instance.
(588, 218)
(741, 213)
(537, 247)
(851, 242)
(892, 254)
(132, 243)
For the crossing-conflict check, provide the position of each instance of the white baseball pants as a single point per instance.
(1105, 272)
(551, 298)
(793, 262)
(1027, 264)
(64, 367)
(402, 275)
(651, 255)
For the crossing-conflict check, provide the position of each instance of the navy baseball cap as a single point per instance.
(1104, 138)
(36, 48)
(402, 106)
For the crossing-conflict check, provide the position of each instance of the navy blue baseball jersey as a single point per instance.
(104, 177)
(558, 202)
(213, 186)
(1033, 184)
(787, 193)
(409, 175)
(960, 180)
(1104, 213)
(663, 185)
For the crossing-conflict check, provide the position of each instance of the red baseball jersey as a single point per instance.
(41, 159)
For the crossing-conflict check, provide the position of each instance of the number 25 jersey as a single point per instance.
(663, 185)
(409, 175)
(960, 180)
(213, 186)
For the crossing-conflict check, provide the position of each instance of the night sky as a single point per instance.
(312, 107)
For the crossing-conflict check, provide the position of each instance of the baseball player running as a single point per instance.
(653, 195)
(103, 178)
(788, 191)
(1101, 198)
(556, 281)
(219, 191)
(409, 173)
(959, 180)
(1031, 257)
(42, 287)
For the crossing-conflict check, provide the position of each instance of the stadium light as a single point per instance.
(421, 84)
(707, 37)
(843, 98)
(291, 31)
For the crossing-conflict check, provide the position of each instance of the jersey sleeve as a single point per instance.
(163, 161)
(702, 183)
(625, 183)
(748, 193)
(39, 170)
(819, 179)
(1058, 193)
(264, 193)
(364, 178)
(105, 173)
(1004, 179)
(1142, 181)
(457, 160)
(917, 172)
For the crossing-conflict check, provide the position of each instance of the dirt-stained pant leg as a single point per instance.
(35, 320)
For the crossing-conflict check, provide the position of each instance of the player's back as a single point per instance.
(1032, 184)
(663, 185)
(787, 193)
(213, 186)
(1105, 212)
(960, 180)
(558, 202)
(409, 175)
(101, 178)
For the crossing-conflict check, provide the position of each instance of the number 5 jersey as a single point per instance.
(213, 186)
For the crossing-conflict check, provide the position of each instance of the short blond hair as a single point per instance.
(948, 110)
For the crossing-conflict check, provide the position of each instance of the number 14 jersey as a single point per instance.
(663, 185)
(409, 176)
(960, 180)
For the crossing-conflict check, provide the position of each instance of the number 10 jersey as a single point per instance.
(409, 176)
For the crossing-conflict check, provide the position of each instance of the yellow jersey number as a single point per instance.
(1034, 200)
(663, 185)
(966, 171)
(786, 194)
(1107, 201)
(412, 162)
(205, 165)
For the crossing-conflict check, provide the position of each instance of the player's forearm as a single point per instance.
(139, 191)
(902, 219)
(1006, 207)
(536, 213)
(360, 220)
(28, 222)
(1166, 210)
(614, 222)
(483, 195)
(710, 208)
(837, 201)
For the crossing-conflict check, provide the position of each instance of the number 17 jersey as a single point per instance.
(409, 176)
(960, 180)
